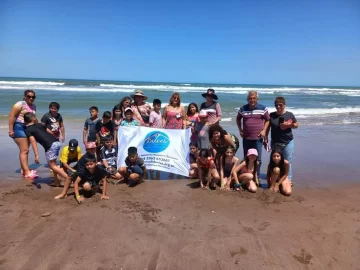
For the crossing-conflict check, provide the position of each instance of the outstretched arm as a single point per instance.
(35, 148)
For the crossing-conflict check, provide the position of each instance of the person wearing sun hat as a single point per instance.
(211, 107)
(141, 109)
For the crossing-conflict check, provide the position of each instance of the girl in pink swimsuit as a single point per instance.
(174, 114)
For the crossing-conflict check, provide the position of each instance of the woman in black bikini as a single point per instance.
(220, 140)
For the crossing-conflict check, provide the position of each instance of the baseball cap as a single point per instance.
(73, 144)
(252, 151)
(128, 110)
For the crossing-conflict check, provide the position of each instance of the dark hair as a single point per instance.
(54, 104)
(204, 153)
(28, 117)
(156, 101)
(108, 138)
(28, 91)
(124, 99)
(94, 108)
(107, 114)
(192, 104)
(272, 164)
(279, 100)
(193, 144)
(132, 150)
(90, 158)
(224, 155)
(214, 128)
(247, 165)
(117, 108)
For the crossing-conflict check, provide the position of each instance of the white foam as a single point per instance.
(72, 89)
(29, 83)
(323, 111)
(226, 119)
(182, 88)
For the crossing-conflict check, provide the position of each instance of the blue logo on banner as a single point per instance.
(156, 141)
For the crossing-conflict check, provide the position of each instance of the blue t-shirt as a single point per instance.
(133, 123)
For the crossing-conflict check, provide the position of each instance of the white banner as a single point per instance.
(162, 149)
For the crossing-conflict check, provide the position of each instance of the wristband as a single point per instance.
(78, 196)
(277, 184)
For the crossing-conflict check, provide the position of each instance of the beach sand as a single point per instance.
(175, 225)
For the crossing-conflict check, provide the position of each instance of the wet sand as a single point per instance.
(175, 225)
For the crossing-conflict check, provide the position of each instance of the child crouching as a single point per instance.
(37, 133)
(109, 156)
(135, 169)
(90, 179)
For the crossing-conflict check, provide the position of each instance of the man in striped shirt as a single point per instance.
(253, 119)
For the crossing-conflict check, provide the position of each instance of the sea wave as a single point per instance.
(71, 89)
(29, 83)
(182, 88)
(324, 111)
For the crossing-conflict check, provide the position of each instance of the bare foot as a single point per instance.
(60, 196)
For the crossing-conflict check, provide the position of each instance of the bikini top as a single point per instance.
(207, 164)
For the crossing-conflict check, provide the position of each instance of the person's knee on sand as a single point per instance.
(285, 187)
(246, 179)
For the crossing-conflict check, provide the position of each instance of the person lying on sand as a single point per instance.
(277, 173)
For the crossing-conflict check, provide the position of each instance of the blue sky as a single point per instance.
(309, 42)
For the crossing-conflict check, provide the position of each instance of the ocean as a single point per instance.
(312, 105)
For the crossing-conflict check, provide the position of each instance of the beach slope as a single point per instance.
(175, 225)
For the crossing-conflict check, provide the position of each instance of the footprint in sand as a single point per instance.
(263, 226)
(304, 257)
(241, 251)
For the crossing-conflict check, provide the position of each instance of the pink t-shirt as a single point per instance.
(155, 120)
(24, 108)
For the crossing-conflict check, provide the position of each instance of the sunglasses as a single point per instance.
(31, 97)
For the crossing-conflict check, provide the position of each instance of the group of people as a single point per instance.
(212, 149)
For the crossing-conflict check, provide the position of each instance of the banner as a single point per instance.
(162, 149)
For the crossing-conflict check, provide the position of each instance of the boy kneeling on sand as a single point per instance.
(37, 133)
(135, 169)
(80, 167)
(90, 179)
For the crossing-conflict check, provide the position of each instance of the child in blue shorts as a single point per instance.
(37, 133)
